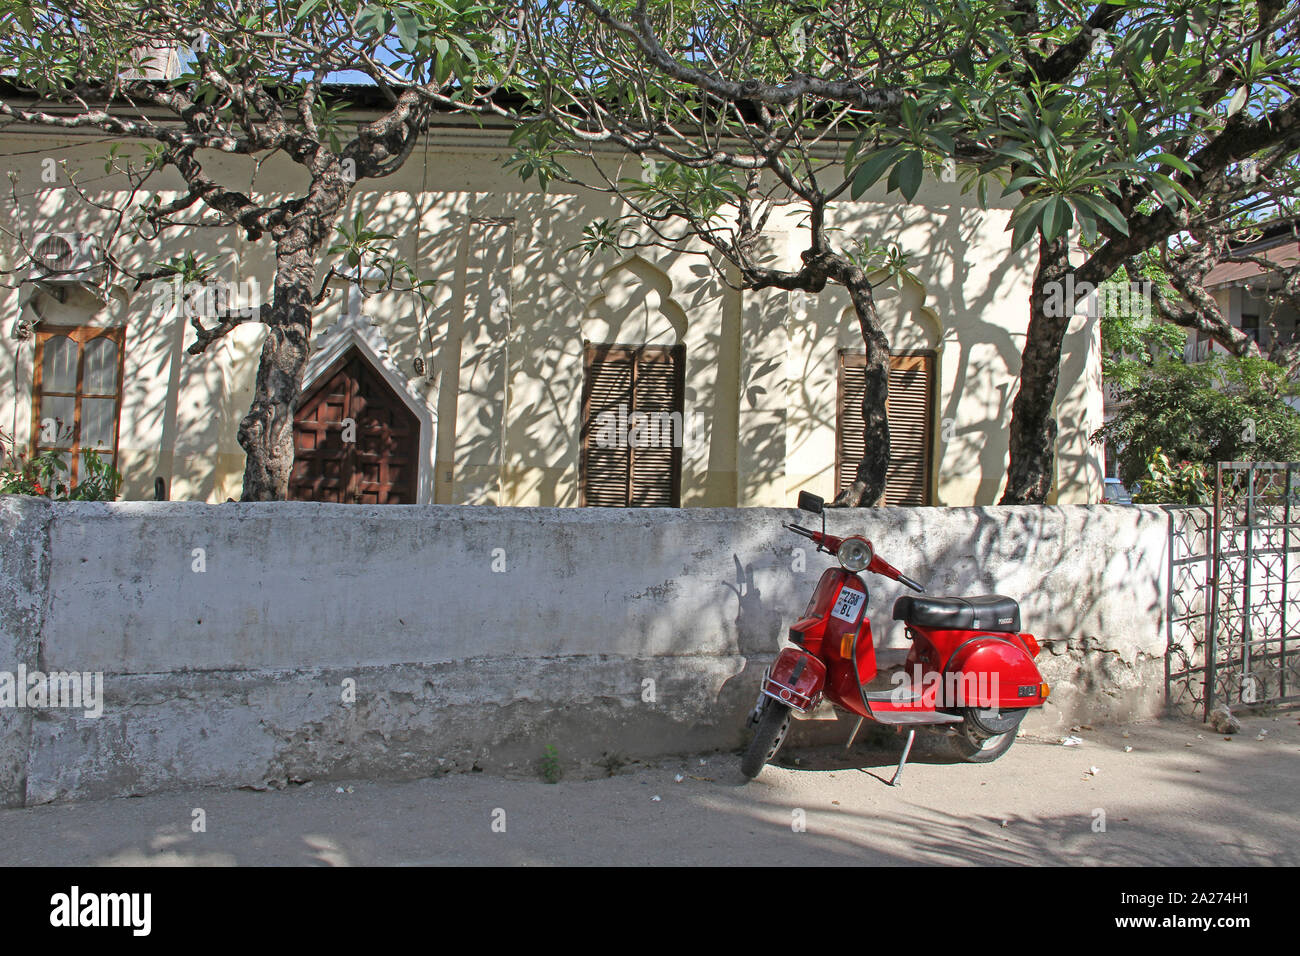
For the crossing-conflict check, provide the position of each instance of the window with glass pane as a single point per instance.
(78, 394)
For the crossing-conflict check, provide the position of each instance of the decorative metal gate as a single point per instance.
(1191, 564)
(1234, 592)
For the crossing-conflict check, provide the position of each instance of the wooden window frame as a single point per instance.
(677, 355)
(932, 398)
(83, 335)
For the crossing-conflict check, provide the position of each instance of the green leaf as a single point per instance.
(1238, 100)
(908, 112)
(370, 20)
(1160, 47)
(408, 29)
(1025, 220)
(1086, 219)
(906, 176)
(1020, 182)
(1013, 151)
(962, 61)
(1106, 210)
(1053, 218)
(1178, 36)
(944, 142)
(1169, 159)
(851, 153)
(872, 168)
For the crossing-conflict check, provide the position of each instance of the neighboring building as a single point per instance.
(505, 389)
(1238, 289)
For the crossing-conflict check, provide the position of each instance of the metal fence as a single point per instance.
(1255, 650)
(1191, 565)
(1234, 592)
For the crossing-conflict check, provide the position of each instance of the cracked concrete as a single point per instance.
(1178, 796)
(229, 635)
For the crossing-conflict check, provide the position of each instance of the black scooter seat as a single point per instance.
(987, 612)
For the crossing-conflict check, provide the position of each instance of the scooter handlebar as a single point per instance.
(831, 544)
(904, 579)
(825, 542)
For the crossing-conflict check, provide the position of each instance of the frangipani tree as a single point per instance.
(1229, 229)
(736, 115)
(1120, 124)
(253, 80)
(1116, 124)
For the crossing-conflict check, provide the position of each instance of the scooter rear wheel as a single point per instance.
(768, 737)
(974, 745)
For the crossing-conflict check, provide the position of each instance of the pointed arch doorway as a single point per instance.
(380, 465)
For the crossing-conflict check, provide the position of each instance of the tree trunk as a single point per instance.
(868, 486)
(1033, 425)
(266, 432)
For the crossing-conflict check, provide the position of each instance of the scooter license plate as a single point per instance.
(848, 605)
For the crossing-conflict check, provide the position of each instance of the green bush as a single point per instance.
(1184, 483)
(45, 474)
(1226, 409)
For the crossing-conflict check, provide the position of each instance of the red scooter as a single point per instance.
(969, 665)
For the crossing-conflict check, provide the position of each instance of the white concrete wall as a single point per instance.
(232, 675)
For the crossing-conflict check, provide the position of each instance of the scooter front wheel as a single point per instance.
(768, 737)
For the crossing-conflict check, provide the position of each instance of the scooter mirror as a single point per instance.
(811, 503)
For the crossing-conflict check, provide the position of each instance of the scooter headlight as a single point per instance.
(854, 554)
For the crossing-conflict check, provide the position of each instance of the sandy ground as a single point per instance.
(1183, 795)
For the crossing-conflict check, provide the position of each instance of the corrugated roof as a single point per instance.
(1283, 254)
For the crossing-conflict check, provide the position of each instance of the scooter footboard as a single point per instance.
(797, 679)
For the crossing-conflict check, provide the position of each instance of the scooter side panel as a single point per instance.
(991, 670)
(843, 671)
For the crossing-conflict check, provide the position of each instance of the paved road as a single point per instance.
(1176, 798)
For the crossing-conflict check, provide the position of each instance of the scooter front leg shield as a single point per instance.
(796, 679)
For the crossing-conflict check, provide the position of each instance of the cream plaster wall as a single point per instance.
(502, 335)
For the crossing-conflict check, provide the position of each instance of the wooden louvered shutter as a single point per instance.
(623, 466)
(910, 409)
(911, 384)
(606, 468)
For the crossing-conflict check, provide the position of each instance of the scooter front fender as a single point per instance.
(796, 679)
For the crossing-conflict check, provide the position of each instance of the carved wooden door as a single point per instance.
(355, 441)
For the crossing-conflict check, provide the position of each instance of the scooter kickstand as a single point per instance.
(907, 749)
(854, 736)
